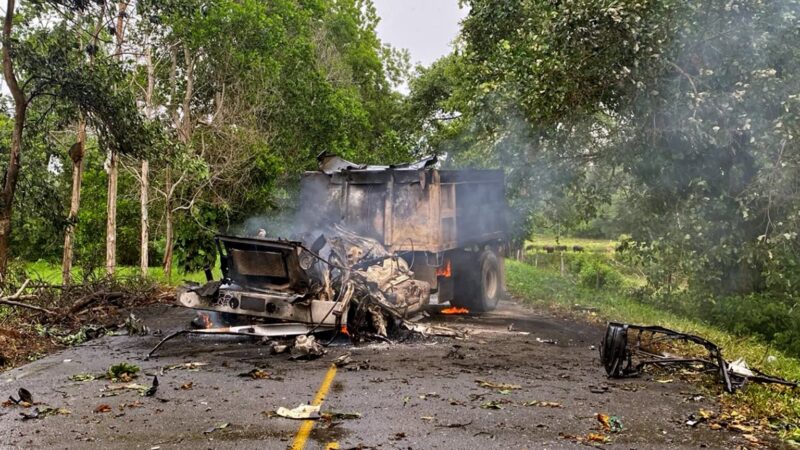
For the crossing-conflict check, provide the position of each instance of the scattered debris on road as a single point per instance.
(648, 345)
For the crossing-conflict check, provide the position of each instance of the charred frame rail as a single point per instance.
(617, 352)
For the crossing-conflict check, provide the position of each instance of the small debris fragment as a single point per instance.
(336, 415)
(221, 426)
(153, 388)
(306, 347)
(256, 374)
(102, 408)
(25, 395)
(610, 424)
(343, 360)
(302, 412)
(187, 386)
(546, 341)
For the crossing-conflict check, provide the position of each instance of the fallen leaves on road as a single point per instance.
(495, 404)
(102, 408)
(39, 413)
(256, 374)
(597, 437)
(497, 386)
(542, 404)
(123, 372)
(589, 439)
(191, 366)
(187, 386)
(81, 377)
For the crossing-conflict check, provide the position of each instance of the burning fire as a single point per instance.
(444, 270)
(455, 310)
(207, 323)
(344, 330)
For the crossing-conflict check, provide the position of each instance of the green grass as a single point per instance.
(537, 241)
(51, 273)
(545, 287)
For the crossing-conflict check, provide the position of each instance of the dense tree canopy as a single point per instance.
(680, 115)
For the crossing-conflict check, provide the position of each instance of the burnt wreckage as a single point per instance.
(372, 246)
(624, 344)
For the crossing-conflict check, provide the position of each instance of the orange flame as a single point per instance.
(455, 310)
(444, 271)
(344, 330)
(207, 323)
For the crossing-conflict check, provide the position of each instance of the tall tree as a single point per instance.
(113, 161)
(20, 109)
(76, 154)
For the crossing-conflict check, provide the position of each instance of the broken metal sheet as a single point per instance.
(624, 342)
(258, 330)
(434, 330)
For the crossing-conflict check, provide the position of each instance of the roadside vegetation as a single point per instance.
(617, 296)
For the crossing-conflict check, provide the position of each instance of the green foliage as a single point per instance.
(122, 370)
(594, 272)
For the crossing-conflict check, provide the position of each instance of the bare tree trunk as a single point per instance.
(148, 100)
(145, 221)
(183, 125)
(113, 170)
(111, 211)
(168, 218)
(76, 154)
(12, 170)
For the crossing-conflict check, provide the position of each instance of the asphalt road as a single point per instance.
(418, 395)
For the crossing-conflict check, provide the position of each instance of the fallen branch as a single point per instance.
(11, 300)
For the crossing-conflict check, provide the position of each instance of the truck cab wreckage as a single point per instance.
(372, 246)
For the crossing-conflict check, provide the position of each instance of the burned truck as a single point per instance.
(371, 246)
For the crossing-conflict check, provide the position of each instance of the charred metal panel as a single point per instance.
(262, 264)
(365, 207)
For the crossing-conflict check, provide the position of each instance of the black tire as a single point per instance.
(613, 350)
(478, 282)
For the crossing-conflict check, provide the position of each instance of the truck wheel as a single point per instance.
(479, 283)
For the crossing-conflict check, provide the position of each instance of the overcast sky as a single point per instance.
(426, 28)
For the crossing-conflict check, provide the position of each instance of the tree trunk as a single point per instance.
(12, 170)
(113, 169)
(144, 182)
(143, 262)
(76, 154)
(168, 219)
(111, 211)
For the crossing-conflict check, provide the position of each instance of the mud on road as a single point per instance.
(420, 395)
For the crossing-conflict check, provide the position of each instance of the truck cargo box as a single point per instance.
(410, 208)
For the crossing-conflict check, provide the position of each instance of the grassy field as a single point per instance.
(51, 273)
(546, 287)
(537, 241)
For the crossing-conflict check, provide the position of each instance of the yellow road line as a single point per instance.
(300, 439)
